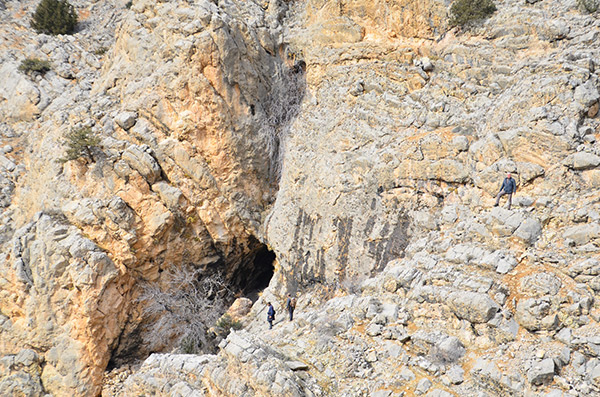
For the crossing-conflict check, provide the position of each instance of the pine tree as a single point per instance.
(54, 17)
(80, 143)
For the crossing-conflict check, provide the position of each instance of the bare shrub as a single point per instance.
(281, 107)
(184, 308)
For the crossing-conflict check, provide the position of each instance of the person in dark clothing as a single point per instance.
(508, 187)
(270, 315)
(290, 305)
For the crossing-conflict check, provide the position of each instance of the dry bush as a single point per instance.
(281, 107)
(184, 308)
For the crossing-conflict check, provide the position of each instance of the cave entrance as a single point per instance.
(254, 274)
(247, 278)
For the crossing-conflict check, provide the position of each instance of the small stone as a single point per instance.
(450, 349)
(26, 357)
(126, 120)
(423, 385)
(456, 375)
(371, 357)
(529, 230)
(471, 306)
(541, 372)
(407, 374)
(296, 365)
(584, 161)
(374, 329)
(426, 64)
(390, 285)
(357, 89)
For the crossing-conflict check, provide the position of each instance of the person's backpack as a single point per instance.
(293, 303)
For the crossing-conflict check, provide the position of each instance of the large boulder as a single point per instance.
(472, 306)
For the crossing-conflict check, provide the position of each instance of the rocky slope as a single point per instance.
(363, 142)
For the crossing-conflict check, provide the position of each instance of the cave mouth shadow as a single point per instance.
(248, 278)
(254, 274)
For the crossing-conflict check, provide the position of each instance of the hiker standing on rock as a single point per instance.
(508, 187)
(270, 315)
(290, 305)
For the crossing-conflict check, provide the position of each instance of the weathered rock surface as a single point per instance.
(364, 142)
(183, 174)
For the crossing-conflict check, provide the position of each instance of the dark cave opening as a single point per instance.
(254, 274)
(247, 278)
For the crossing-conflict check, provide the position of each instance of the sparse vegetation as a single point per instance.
(101, 51)
(32, 66)
(463, 12)
(281, 107)
(226, 323)
(54, 17)
(184, 308)
(588, 6)
(80, 142)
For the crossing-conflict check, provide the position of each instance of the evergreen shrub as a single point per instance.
(463, 12)
(54, 17)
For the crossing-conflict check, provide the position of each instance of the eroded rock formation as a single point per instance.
(363, 142)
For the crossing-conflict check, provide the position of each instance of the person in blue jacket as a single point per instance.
(508, 187)
(270, 315)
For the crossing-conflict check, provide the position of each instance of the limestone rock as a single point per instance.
(587, 94)
(582, 234)
(529, 230)
(170, 195)
(141, 159)
(583, 161)
(126, 120)
(534, 314)
(541, 372)
(471, 306)
(362, 142)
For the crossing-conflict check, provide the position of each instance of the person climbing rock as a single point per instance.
(270, 315)
(290, 305)
(508, 187)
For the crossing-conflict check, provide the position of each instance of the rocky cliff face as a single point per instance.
(363, 142)
(189, 116)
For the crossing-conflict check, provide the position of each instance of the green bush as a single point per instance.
(32, 66)
(54, 17)
(589, 6)
(226, 323)
(463, 12)
(80, 143)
